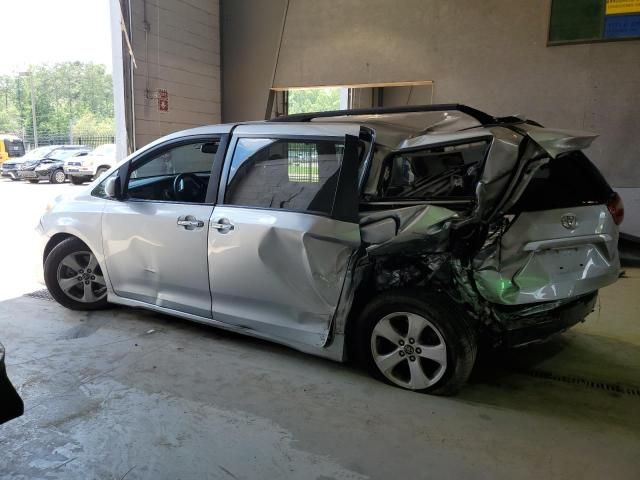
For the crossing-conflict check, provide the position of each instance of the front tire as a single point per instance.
(416, 341)
(57, 176)
(74, 277)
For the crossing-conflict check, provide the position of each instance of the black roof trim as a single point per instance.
(482, 117)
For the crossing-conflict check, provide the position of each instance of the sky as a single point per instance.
(51, 31)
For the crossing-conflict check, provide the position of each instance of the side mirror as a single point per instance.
(111, 187)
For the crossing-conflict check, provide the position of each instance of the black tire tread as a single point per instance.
(454, 324)
(57, 254)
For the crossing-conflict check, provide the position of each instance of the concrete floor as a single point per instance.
(136, 395)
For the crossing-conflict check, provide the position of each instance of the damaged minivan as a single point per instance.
(402, 238)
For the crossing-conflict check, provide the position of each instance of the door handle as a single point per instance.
(223, 225)
(189, 222)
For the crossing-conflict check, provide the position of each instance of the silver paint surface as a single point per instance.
(279, 272)
(153, 259)
(540, 260)
(290, 277)
(415, 228)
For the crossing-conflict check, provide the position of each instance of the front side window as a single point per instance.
(299, 175)
(176, 174)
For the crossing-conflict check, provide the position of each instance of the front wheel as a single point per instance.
(57, 176)
(74, 277)
(416, 341)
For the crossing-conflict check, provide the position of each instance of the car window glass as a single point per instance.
(153, 178)
(62, 154)
(300, 175)
(182, 159)
(450, 171)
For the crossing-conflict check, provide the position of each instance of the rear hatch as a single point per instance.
(553, 235)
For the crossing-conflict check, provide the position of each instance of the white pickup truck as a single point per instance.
(91, 166)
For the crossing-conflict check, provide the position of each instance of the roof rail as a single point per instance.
(482, 117)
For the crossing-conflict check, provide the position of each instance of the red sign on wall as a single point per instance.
(163, 100)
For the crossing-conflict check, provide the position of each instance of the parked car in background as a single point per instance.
(400, 237)
(91, 166)
(51, 166)
(10, 147)
(10, 167)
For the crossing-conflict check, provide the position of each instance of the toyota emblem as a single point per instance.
(569, 221)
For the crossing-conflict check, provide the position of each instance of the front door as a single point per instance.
(279, 247)
(155, 241)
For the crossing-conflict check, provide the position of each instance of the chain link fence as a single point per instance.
(91, 141)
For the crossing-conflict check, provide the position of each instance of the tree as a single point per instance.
(90, 125)
(314, 100)
(65, 93)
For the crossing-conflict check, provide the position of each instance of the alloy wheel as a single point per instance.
(80, 277)
(59, 177)
(409, 350)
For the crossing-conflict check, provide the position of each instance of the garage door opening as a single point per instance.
(324, 98)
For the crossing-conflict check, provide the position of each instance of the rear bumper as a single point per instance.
(522, 329)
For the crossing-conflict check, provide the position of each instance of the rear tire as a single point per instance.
(74, 277)
(416, 341)
(57, 176)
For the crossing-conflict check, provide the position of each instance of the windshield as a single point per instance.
(62, 154)
(37, 153)
(104, 150)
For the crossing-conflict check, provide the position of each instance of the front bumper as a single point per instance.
(31, 174)
(523, 329)
(10, 173)
(78, 171)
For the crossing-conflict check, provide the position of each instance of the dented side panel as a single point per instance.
(418, 228)
(278, 272)
(152, 259)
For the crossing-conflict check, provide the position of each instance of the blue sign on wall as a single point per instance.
(622, 26)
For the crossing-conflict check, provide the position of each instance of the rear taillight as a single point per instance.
(616, 208)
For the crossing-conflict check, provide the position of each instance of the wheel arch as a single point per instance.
(56, 240)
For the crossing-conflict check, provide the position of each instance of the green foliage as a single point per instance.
(65, 94)
(89, 125)
(314, 100)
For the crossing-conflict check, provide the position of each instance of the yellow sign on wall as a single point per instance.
(622, 6)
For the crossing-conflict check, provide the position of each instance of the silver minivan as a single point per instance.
(396, 237)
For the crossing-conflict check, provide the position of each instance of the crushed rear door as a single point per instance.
(551, 234)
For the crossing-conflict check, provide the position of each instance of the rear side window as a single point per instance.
(441, 172)
(570, 180)
(299, 175)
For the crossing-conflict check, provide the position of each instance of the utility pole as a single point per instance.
(33, 106)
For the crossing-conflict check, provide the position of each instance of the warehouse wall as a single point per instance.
(181, 55)
(490, 54)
